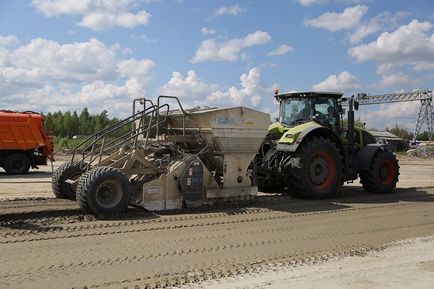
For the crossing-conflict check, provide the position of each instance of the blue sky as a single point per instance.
(67, 54)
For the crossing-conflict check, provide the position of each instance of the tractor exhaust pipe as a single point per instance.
(351, 121)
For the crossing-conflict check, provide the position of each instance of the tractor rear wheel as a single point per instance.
(382, 174)
(66, 171)
(17, 164)
(103, 191)
(316, 168)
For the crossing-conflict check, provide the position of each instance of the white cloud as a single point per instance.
(96, 15)
(8, 40)
(281, 50)
(394, 80)
(410, 44)
(228, 10)
(385, 115)
(44, 75)
(103, 21)
(310, 2)
(391, 77)
(333, 21)
(375, 24)
(193, 91)
(190, 88)
(342, 82)
(135, 68)
(96, 96)
(249, 93)
(145, 38)
(211, 50)
(73, 62)
(208, 31)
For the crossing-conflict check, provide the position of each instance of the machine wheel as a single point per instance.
(103, 191)
(382, 174)
(17, 164)
(316, 169)
(71, 171)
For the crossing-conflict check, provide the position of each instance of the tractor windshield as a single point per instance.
(295, 110)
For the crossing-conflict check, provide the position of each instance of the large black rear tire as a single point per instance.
(382, 174)
(17, 164)
(103, 191)
(316, 169)
(71, 171)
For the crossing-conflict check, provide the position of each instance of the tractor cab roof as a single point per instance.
(307, 94)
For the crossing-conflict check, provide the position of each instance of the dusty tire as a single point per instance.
(17, 164)
(382, 175)
(103, 191)
(316, 169)
(61, 189)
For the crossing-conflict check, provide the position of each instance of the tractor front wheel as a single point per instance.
(316, 168)
(382, 174)
(103, 191)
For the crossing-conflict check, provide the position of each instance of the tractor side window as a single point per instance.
(294, 110)
(326, 108)
(368, 138)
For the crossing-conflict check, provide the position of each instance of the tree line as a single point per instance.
(67, 124)
(406, 135)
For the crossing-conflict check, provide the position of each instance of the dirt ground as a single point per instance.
(400, 265)
(415, 172)
(355, 240)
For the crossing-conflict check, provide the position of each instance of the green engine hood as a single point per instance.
(288, 135)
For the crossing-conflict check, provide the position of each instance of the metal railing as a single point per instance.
(90, 151)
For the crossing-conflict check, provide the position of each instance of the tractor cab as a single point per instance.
(301, 107)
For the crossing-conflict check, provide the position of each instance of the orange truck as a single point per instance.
(24, 142)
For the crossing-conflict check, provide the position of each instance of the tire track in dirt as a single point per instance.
(278, 212)
(176, 249)
(207, 249)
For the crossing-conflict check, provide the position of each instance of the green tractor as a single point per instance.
(310, 152)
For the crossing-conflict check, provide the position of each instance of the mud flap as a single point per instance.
(366, 154)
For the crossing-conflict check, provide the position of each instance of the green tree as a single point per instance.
(67, 123)
(75, 124)
(101, 121)
(357, 123)
(424, 136)
(85, 122)
(400, 132)
(49, 122)
(59, 129)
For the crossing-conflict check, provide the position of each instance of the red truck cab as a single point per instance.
(24, 142)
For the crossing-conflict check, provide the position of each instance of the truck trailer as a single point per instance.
(24, 142)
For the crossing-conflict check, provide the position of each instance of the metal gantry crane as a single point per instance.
(425, 113)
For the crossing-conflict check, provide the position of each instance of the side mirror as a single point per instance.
(356, 105)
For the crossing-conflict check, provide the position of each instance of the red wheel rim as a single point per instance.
(387, 172)
(325, 157)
